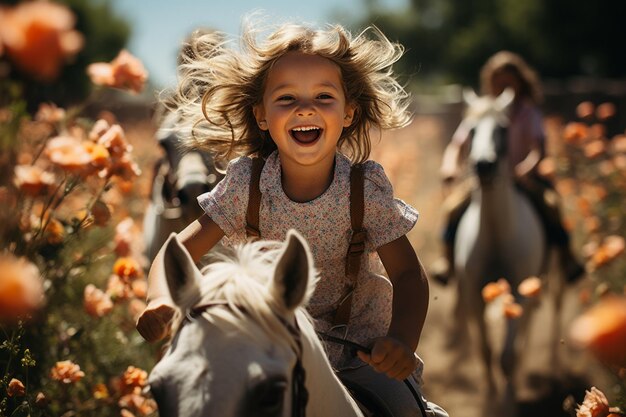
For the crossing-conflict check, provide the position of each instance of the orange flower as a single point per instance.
(100, 156)
(137, 402)
(612, 247)
(134, 377)
(118, 289)
(530, 287)
(38, 37)
(547, 167)
(40, 400)
(55, 232)
(21, 288)
(125, 233)
(125, 168)
(595, 148)
(140, 288)
(33, 180)
(125, 413)
(125, 72)
(605, 111)
(575, 132)
(96, 302)
(69, 154)
(98, 129)
(127, 268)
(619, 143)
(595, 404)
(585, 110)
(49, 113)
(114, 140)
(602, 330)
(512, 310)
(66, 372)
(135, 308)
(493, 290)
(16, 388)
(100, 392)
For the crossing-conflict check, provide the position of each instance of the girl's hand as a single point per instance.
(392, 357)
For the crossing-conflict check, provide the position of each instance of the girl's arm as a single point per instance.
(394, 354)
(199, 237)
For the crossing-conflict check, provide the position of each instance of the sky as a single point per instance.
(159, 26)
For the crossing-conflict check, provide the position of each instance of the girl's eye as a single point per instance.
(324, 96)
(285, 98)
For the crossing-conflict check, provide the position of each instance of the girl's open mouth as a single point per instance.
(306, 135)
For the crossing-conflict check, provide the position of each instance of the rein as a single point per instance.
(356, 347)
(299, 393)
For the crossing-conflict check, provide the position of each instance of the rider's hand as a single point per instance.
(153, 323)
(392, 357)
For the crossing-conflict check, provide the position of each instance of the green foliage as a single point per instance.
(454, 38)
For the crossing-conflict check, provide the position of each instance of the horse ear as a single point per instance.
(505, 99)
(469, 96)
(181, 273)
(291, 276)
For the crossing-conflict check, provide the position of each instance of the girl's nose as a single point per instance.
(306, 109)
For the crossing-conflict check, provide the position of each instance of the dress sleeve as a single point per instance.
(385, 218)
(226, 204)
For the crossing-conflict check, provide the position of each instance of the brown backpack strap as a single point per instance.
(254, 199)
(357, 242)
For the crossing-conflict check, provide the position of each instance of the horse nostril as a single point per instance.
(484, 167)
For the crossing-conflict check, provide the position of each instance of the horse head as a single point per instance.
(242, 338)
(489, 120)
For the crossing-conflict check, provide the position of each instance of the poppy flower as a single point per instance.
(125, 72)
(127, 268)
(38, 37)
(530, 287)
(66, 372)
(602, 330)
(21, 288)
(595, 404)
(33, 181)
(96, 302)
(16, 388)
(68, 153)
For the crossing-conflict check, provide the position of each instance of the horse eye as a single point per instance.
(269, 395)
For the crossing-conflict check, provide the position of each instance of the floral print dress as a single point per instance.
(325, 223)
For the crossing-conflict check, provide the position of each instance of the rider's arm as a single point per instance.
(199, 237)
(394, 354)
(450, 162)
(410, 290)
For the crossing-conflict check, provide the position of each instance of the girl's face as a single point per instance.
(502, 79)
(304, 108)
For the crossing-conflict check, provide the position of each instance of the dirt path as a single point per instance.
(454, 375)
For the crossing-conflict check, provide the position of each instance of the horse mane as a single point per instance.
(242, 278)
(483, 106)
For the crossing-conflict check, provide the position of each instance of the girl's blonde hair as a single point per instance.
(513, 63)
(219, 86)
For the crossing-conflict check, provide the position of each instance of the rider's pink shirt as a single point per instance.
(325, 223)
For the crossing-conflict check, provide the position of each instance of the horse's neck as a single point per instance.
(327, 396)
(499, 205)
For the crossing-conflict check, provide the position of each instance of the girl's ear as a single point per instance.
(349, 114)
(259, 115)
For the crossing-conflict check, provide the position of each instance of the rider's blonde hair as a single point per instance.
(219, 85)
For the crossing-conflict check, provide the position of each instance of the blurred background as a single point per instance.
(92, 268)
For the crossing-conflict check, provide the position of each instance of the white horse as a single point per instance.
(179, 177)
(243, 344)
(500, 234)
